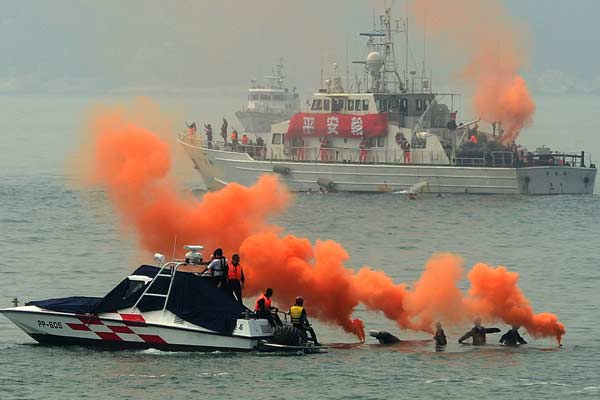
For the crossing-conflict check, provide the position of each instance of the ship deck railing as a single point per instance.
(378, 155)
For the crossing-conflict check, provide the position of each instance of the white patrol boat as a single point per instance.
(389, 137)
(167, 307)
(268, 104)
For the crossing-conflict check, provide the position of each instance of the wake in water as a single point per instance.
(133, 164)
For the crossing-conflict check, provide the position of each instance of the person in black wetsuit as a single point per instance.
(478, 333)
(512, 337)
(440, 336)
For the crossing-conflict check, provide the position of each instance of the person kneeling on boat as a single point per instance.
(263, 308)
(300, 320)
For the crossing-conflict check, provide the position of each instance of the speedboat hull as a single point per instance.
(126, 329)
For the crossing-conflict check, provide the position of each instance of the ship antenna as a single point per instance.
(174, 246)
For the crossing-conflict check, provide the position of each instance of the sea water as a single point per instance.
(58, 239)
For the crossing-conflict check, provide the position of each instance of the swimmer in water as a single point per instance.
(440, 336)
(478, 333)
(512, 337)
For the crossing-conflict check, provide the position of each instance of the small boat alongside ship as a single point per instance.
(166, 307)
(389, 134)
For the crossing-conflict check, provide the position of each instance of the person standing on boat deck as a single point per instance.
(234, 139)
(301, 149)
(364, 145)
(224, 131)
(478, 333)
(406, 150)
(324, 149)
(300, 319)
(209, 134)
(235, 277)
(218, 269)
(512, 337)
(440, 335)
(263, 308)
(245, 143)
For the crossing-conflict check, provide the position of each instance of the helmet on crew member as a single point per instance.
(299, 301)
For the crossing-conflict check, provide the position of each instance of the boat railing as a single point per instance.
(170, 266)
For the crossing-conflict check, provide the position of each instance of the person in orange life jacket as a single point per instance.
(244, 139)
(300, 320)
(217, 269)
(473, 139)
(263, 308)
(235, 277)
(362, 156)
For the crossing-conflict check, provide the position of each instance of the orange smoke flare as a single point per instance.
(482, 34)
(494, 293)
(133, 164)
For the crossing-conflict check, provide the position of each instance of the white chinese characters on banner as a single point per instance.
(309, 125)
(356, 126)
(333, 123)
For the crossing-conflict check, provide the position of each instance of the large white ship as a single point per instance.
(268, 104)
(394, 135)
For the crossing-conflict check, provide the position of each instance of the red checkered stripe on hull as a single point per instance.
(116, 333)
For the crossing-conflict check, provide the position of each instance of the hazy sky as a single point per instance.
(201, 44)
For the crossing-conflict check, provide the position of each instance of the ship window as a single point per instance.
(380, 141)
(419, 104)
(265, 97)
(427, 103)
(276, 138)
(316, 105)
(254, 96)
(394, 104)
(404, 105)
(357, 105)
(278, 97)
(326, 104)
(365, 105)
(350, 105)
(381, 104)
(337, 104)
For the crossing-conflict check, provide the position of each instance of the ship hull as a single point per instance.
(218, 168)
(260, 122)
(143, 331)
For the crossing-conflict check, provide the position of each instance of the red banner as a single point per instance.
(340, 125)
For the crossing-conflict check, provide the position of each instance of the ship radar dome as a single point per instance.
(375, 62)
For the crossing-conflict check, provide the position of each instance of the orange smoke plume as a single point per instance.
(482, 34)
(292, 266)
(494, 293)
(133, 164)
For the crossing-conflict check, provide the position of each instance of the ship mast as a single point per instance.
(381, 62)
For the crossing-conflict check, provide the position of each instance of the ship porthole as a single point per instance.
(565, 173)
(586, 179)
(527, 179)
(556, 173)
(547, 173)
